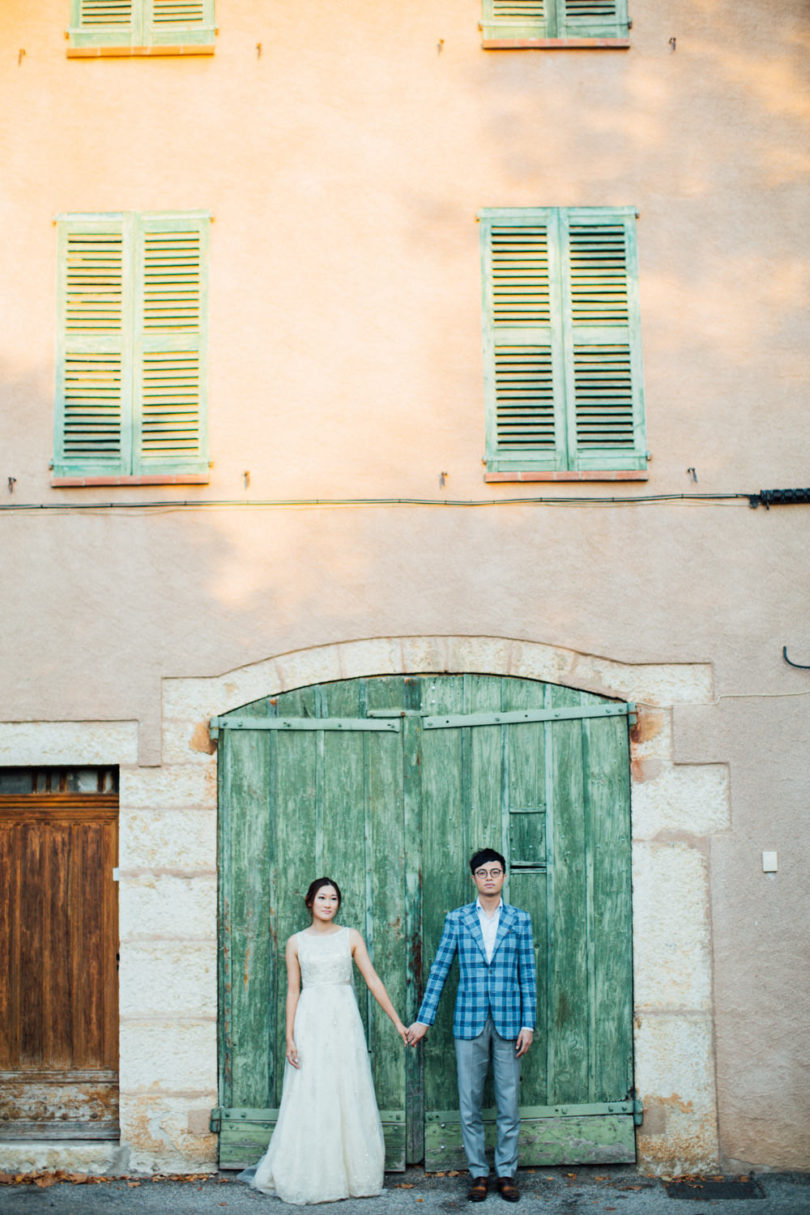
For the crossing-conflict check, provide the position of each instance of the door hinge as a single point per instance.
(216, 1121)
(638, 1112)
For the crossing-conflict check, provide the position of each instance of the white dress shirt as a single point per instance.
(489, 926)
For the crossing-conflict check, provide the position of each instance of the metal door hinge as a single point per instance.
(216, 1121)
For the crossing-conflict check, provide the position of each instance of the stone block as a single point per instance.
(168, 1134)
(192, 785)
(98, 1159)
(74, 743)
(375, 656)
(186, 740)
(485, 654)
(168, 1055)
(168, 978)
(183, 840)
(549, 664)
(161, 905)
(423, 654)
(690, 798)
(675, 1081)
(671, 927)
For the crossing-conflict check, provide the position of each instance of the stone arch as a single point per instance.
(171, 810)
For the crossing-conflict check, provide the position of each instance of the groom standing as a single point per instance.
(494, 1016)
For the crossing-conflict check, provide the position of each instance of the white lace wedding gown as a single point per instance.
(328, 1141)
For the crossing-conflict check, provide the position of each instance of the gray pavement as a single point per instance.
(565, 1191)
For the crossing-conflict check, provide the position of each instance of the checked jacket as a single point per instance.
(505, 987)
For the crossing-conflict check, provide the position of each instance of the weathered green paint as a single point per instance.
(563, 378)
(131, 384)
(141, 23)
(555, 19)
(599, 1139)
(393, 816)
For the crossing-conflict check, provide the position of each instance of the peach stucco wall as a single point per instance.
(344, 150)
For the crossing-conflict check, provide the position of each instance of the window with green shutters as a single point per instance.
(131, 376)
(555, 22)
(562, 349)
(99, 27)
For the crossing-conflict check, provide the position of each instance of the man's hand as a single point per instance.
(415, 1033)
(524, 1041)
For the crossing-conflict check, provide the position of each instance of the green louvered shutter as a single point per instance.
(602, 340)
(592, 19)
(93, 391)
(518, 18)
(172, 22)
(562, 348)
(131, 383)
(522, 341)
(105, 23)
(554, 19)
(170, 407)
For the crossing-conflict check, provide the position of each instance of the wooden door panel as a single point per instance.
(320, 802)
(394, 817)
(59, 990)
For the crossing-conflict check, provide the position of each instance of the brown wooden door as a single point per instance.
(58, 981)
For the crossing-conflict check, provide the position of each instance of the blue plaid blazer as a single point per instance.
(505, 987)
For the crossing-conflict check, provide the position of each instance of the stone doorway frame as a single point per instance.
(168, 888)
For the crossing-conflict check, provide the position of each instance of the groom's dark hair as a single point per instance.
(483, 856)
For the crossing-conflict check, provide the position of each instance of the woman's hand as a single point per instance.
(402, 1031)
(292, 1053)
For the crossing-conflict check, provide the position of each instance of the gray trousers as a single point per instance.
(472, 1060)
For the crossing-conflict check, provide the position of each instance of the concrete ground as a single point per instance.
(564, 1191)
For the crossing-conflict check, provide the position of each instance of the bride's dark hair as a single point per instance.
(317, 885)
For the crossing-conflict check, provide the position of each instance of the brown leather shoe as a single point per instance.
(478, 1189)
(507, 1189)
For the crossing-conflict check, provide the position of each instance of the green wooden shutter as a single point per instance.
(562, 348)
(518, 18)
(103, 23)
(94, 365)
(602, 340)
(592, 18)
(170, 406)
(554, 19)
(522, 341)
(131, 383)
(169, 22)
(141, 23)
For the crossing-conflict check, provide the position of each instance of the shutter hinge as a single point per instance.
(638, 1112)
(216, 1120)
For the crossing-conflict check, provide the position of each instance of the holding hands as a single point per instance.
(415, 1033)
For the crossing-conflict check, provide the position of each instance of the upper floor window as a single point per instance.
(131, 375)
(555, 23)
(562, 347)
(141, 27)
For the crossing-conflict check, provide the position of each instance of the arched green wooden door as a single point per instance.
(388, 784)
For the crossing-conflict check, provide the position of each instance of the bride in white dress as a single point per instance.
(328, 1141)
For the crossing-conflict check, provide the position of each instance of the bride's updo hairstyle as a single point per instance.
(317, 885)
